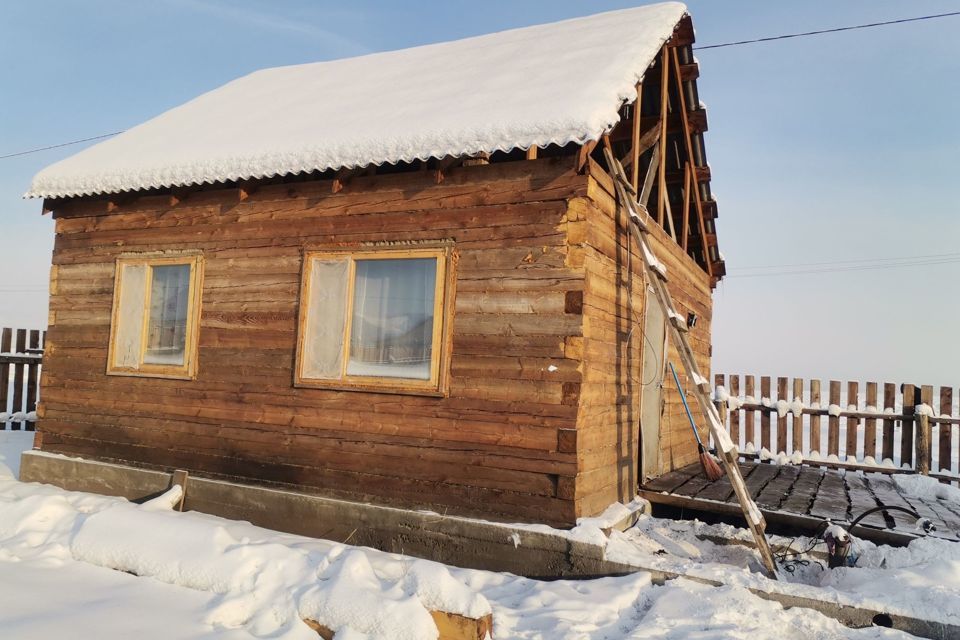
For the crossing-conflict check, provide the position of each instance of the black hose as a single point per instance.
(881, 508)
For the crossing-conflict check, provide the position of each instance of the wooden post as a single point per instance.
(926, 397)
(687, 183)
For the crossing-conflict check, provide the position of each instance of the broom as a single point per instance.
(707, 462)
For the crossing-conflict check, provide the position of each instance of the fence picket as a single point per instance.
(926, 397)
(870, 424)
(853, 424)
(889, 400)
(735, 415)
(797, 427)
(765, 415)
(909, 401)
(781, 419)
(815, 443)
(749, 415)
(833, 422)
(945, 430)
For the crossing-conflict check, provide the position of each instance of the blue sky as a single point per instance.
(828, 148)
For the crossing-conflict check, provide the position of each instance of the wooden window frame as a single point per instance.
(443, 303)
(186, 371)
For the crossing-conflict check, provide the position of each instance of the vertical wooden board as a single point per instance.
(815, 444)
(889, 402)
(853, 424)
(6, 337)
(21, 340)
(31, 403)
(17, 393)
(833, 422)
(945, 430)
(926, 397)
(765, 413)
(870, 424)
(735, 415)
(33, 341)
(749, 416)
(782, 420)
(797, 426)
(906, 431)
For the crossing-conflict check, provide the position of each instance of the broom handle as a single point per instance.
(683, 397)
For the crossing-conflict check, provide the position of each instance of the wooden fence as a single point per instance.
(21, 351)
(843, 424)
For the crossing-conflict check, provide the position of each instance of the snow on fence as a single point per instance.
(843, 424)
(21, 351)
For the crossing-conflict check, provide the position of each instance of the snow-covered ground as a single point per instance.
(65, 558)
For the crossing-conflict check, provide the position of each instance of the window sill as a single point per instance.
(178, 374)
(430, 391)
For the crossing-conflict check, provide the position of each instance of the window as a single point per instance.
(373, 319)
(156, 313)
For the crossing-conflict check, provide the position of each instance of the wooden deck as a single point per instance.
(802, 497)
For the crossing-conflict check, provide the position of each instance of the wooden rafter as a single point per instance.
(690, 158)
(635, 146)
(685, 233)
(584, 154)
(664, 100)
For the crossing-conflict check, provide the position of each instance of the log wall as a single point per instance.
(528, 430)
(613, 310)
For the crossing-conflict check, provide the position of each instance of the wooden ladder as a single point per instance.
(677, 324)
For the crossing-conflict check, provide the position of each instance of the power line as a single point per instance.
(709, 46)
(866, 267)
(833, 30)
(861, 261)
(62, 144)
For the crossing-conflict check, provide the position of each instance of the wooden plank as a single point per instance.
(889, 401)
(815, 442)
(635, 142)
(887, 494)
(776, 491)
(18, 370)
(870, 424)
(760, 477)
(749, 415)
(861, 499)
(735, 415)
(945, 435)
(722, 490)
(664, 106)
(803, 491)
(782, 420)
(853, 424)
(31, 399)
(765, 415)
(670, 482)
(797, 422)
(908, 400)
(685, 216)
(925, 434)
(21, 340)
(833, 422)
(831, 498)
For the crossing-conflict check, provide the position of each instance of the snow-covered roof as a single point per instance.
(547, 84)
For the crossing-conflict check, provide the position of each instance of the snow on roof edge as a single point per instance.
(321, 157)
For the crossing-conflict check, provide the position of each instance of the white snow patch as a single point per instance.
(481, 94)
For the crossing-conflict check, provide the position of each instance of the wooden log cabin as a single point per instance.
(400, 278)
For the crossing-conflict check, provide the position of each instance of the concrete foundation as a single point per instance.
(452, 540)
